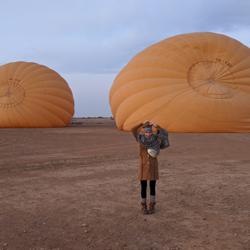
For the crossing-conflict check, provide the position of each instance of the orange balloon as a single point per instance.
(32, 95)
(198, 82)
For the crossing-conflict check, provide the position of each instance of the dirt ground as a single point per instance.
(77, 188)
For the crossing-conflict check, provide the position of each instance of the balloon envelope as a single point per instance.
(32, 95)
(197, 82)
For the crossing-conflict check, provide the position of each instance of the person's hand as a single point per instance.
(154, 124)
(146, 123)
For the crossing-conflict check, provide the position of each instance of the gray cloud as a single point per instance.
(101, 36)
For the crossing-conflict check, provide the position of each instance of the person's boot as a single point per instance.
(144, 208)
(152, 203)
(151, 208)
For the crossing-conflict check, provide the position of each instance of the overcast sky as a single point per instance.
(89, 41)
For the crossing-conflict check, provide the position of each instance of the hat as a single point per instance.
(148, 129)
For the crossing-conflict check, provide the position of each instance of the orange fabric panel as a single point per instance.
(33, 95)
(197, 82)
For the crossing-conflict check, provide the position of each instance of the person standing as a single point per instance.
(151, 139)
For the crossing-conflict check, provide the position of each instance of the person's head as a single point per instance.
(148, 132)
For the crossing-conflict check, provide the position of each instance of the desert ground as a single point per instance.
(76, 188)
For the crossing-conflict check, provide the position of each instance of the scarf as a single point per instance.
(150, 142)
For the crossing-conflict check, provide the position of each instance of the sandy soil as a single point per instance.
(76, 188)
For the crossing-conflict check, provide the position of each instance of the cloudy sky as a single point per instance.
(89, 41)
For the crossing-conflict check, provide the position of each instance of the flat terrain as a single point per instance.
(77, 188)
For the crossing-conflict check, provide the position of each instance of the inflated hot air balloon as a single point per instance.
(32, 95)
(198, 82)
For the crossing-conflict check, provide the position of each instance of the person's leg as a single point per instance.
(144, 196)
(152, 196)
(152, 189)
(143, 190)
